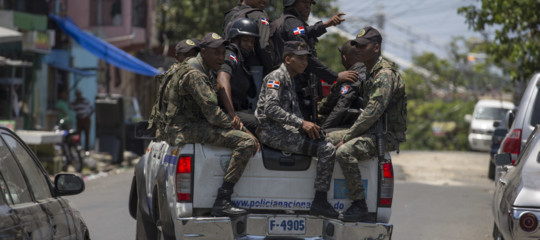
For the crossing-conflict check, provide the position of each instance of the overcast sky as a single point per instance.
(412, 26)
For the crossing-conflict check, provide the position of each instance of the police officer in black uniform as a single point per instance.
(295, 28)
(235, 82)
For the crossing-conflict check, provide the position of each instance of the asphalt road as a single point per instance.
(438, 195)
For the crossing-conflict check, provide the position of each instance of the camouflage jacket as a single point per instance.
(383, 91)
(277, 105)
(192, 97)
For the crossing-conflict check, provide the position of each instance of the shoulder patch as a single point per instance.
(273, 84)
(264, 21)
(233, 58)
(299, 30)
(344, 90)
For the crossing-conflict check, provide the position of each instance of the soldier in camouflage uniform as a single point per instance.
(344, 97)
(384, 93)
(185, 49)
(193, 116)
(281, 123)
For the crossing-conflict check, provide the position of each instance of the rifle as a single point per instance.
(379, 136)
(314, 92)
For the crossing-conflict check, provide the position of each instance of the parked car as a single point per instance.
(516, 205)
(496, 139)
(31, 207)
(486, 112)
(523, 122)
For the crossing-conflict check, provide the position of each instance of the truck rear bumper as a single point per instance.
(255, 226)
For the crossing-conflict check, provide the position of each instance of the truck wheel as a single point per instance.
(145, 229)
(496, 234)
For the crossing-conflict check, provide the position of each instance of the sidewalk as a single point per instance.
(97, 165)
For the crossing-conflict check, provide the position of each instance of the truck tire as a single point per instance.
(133, 199)
(146, 230)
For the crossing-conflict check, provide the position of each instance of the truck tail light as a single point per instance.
(512, 144)
(528, 222)
(183, 179)
(387, 185)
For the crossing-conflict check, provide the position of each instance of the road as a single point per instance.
(438, 195)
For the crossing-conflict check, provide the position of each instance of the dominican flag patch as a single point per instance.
(299, 30)
(264, 21)
(233, 58)
(344, 90)
(273, 84)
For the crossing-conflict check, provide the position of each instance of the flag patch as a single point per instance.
(344, 90)
(264, 21)
(233, 58)
(299, 30)
(273, 84)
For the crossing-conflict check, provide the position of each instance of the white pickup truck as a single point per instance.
(174, 188)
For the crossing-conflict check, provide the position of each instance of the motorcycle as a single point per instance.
(70, 146)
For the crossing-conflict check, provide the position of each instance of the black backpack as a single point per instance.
(276, 41)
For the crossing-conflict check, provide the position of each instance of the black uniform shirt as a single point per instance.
(242, 85)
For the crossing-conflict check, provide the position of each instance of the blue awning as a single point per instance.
(104, 50)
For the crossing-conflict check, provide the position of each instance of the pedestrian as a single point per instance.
(193, 116)
(62, 108)
(254, 10)
(283, 127)
(295, 28)
(235, 82)
(83, 112)
(341, 107)
(186, 48)
(384, 94)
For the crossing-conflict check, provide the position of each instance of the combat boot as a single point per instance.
(323, 208)
(224, 207)
(357, 212)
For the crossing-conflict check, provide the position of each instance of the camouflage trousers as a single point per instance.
(357, 149)
(291, 140)
(242, 144)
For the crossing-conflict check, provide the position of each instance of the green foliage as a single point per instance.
(423, 114)
(181, 19)
(327, 51)
(516, 44)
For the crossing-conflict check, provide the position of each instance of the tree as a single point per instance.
(516, 44)
(181, 19)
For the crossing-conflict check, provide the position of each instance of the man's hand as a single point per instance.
(350, 76)
(311, 129)
(335, 20)
(236, 122)
(339, 145)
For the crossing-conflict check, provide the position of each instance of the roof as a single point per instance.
(9, 35)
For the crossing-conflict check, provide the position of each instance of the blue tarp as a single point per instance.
(104, 50)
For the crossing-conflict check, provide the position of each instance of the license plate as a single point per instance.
(285, 225)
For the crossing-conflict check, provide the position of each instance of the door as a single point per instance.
(61, 223)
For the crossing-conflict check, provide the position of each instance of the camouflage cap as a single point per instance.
(296, 47)
(367, 35)
(186, 45)
(212, 40)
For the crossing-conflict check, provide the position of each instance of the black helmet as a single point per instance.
(287, 3)
(243, 26)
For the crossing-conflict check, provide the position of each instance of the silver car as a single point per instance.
(516, 201)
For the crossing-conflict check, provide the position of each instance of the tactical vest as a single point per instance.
(397, 108)
(181, 100)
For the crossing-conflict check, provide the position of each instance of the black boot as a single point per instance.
(224, 207)
(357, 212)
(321, 207)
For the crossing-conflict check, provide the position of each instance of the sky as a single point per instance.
(411, 26)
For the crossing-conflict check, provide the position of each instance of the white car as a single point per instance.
(486, 112)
